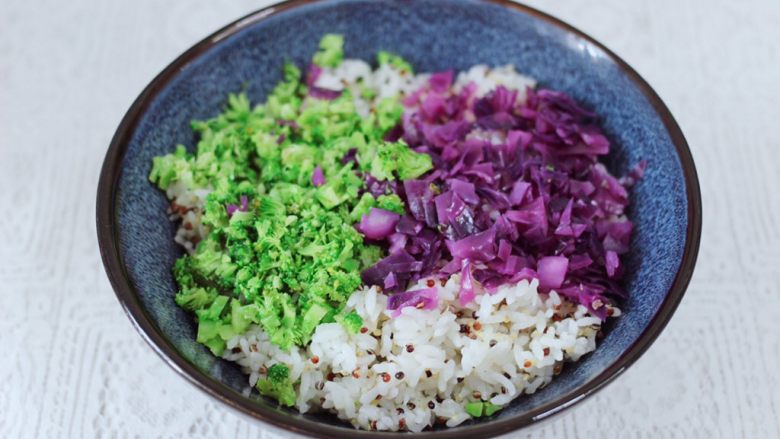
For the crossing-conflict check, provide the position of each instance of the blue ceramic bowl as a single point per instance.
(136, 237)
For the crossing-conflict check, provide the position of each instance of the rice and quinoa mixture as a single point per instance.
(398, 249)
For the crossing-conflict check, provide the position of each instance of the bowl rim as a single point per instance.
(108, 241)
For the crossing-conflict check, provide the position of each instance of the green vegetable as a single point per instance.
(290, 258)
(394, 61)
(366, 202)
(474, 408)
(331, 51)
(398, 158)
(491, 408)
(210, 325)
(352, 322)
(481, 408)
(243, 315)
(166, 169)
(278, 385)
(391, 202)
(388, 113)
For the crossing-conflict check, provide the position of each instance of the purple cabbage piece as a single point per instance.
(408, 225)
(419, 199)
(288, 123)
(464, 189)
(467, 292)
(378, 223)
(427, 298)
(312, 74)
(317, 177)
(612, 263)
(441, 81)
(479, 247)
(323, 93)
(552, 271)
(242, 207)
(401, 264)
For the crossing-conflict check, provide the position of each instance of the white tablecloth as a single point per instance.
(73, 366)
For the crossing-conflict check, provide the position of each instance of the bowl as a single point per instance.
(135, 236)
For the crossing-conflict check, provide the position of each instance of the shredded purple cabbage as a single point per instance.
(317, 177)
(312, 74)
(378, 223)
(242, 207)
(516, 193)
(421, 299)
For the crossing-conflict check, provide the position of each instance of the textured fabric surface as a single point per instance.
(77, 368)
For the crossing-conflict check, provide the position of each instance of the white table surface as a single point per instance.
(77, 368)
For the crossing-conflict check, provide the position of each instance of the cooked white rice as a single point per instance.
(494, 349)
(422, 367)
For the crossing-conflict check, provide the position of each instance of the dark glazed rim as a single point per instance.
(112, 260)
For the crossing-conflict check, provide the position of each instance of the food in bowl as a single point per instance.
(400, 249)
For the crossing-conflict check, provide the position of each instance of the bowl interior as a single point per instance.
(433, 35)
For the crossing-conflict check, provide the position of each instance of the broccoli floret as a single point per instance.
(169, 168)
(340, 188)
(367, 201)
(395, 61)
(399, 159)
(369, 255)
(391, 202)
(195, 298)
(278, 385)
(241, 316)
(331, 51)
(388, 113)
(210, 325)
(311, 318)
(352, 322)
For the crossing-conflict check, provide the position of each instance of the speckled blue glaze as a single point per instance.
(470, 32)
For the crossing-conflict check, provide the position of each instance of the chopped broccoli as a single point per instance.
(210, 324)
(241, 316)
(290, 257)
(399, 159)
(491, 408)
(391, 202)
(395, 61)
(171, 167)
(278, 385)
(195, 298)
(311, 319)
(475, 408)
(481, 408)
(331, 51)
(388, 113)
(352, 322)
(366, 202)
